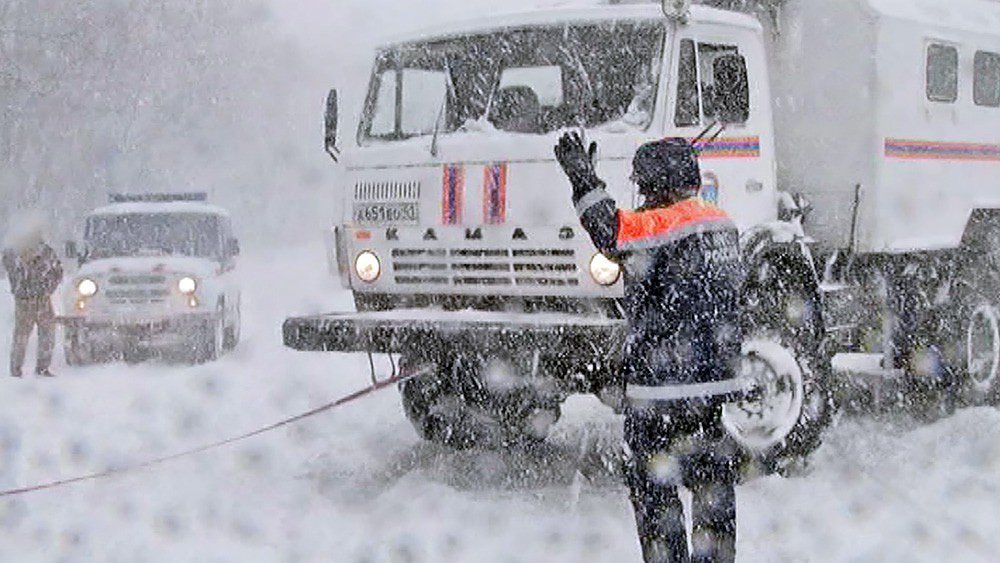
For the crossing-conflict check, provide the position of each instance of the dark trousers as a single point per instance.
(29, 314)
(686, 448)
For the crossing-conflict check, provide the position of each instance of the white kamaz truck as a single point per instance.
(856, 143)
(155, 277)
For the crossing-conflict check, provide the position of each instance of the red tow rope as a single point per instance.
(376, 386)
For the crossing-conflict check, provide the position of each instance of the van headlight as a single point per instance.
(367, 266)
(604, 271)
(86, 287)
(187, 285)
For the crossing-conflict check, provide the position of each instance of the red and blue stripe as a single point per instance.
(495, 194)
(453, 198)
(734, 147)
(936, 150)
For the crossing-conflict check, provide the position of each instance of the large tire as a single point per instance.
(787, 407)
(446, 403)
(971, 348)
(972, 351)
(790, 402)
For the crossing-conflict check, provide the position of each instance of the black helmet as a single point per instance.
(667, 169)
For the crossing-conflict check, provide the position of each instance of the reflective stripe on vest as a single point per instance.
(683, 391)
(653, 227)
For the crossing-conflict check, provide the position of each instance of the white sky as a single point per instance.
(342, 28)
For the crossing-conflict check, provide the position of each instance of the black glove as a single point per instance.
(578, 163)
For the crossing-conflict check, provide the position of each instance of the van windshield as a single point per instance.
(528, 80)
(153, 234)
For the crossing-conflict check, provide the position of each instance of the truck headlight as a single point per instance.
(86, 287)
(367, 266)
(604, 271)
(187, 285)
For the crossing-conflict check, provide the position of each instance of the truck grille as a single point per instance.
(485, 267)
(387, 191)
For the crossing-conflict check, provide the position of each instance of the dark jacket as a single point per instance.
(682, 277)
(35, 274)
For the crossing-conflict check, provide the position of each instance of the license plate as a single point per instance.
(386, 213)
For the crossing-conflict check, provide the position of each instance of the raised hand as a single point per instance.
(577, 163)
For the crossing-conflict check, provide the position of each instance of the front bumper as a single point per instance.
(404, 331)
(159, 331)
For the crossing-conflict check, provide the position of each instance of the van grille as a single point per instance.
(387, 191)
(140, 279)
(485, 267)
(137, 289)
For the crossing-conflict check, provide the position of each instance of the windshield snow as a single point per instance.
(529, 80)
(153, 234)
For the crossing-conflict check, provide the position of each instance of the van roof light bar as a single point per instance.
(158, 198)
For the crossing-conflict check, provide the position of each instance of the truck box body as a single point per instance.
(865, 107)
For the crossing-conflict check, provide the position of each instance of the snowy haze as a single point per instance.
(227, 96)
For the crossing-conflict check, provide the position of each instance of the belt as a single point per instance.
(674, 392)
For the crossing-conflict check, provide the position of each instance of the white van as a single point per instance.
(155, 276)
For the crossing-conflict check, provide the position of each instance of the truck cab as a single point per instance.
(452, 191)
(155, 277)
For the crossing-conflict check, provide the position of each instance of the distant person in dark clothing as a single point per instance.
(34, 272)
(681, 262)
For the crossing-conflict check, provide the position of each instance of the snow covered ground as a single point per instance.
(356, 484)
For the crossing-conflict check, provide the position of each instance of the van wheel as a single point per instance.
(232, 336)
(206, 344)
(78, 351)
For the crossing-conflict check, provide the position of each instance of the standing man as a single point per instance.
(682, 270)
(34, 272)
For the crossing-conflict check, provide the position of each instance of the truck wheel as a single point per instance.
(447, 404)
(969, 320)
(789, 401)
(982, 352)
(972, 347)
(781, 419)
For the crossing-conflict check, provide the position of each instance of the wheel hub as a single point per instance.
(773, 402)
(983, 347)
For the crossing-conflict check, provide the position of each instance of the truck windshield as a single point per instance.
(153, 234)
(529, 80)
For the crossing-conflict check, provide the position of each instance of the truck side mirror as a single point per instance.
(233, 247)
(330, 138)
(732, 89)
(71, 251)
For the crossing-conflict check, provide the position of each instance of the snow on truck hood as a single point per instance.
(201, 267)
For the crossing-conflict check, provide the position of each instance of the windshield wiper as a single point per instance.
(449, 90)
(437, 127)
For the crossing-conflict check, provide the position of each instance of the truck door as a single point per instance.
(737, 166)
